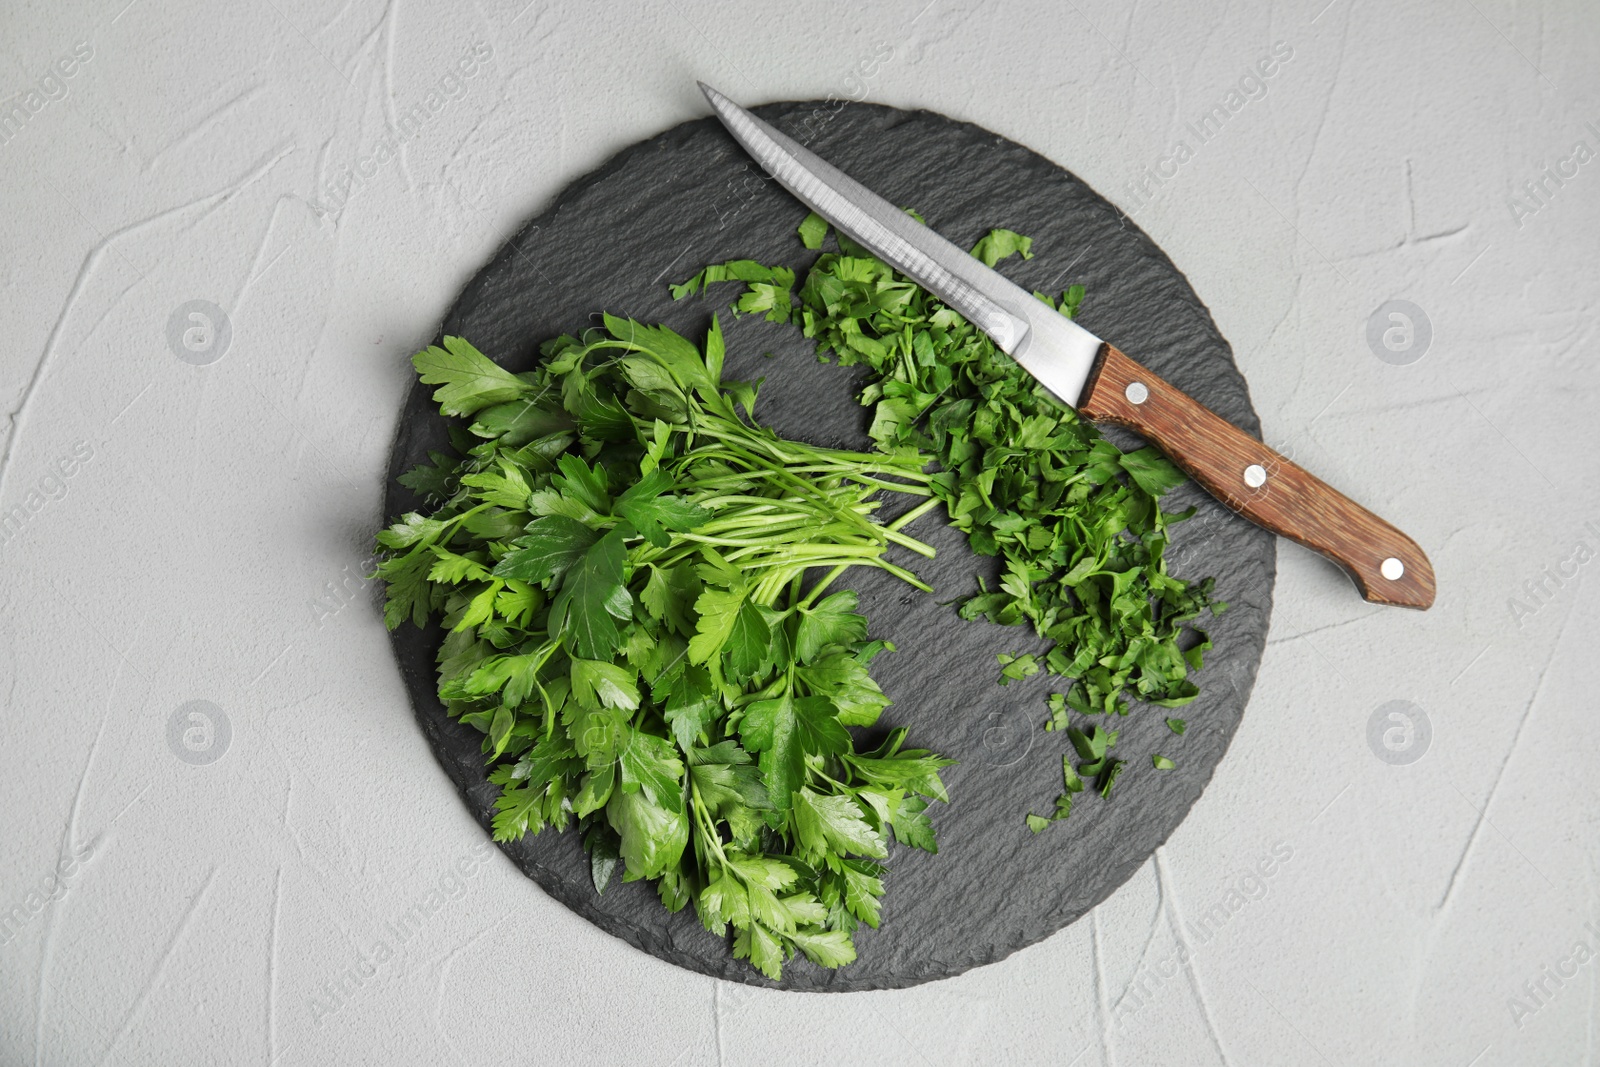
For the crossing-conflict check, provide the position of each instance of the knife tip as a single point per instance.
(711, 94)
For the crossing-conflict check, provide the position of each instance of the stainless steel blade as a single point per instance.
(1050, 346)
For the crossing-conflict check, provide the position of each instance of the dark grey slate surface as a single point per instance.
(663, 208)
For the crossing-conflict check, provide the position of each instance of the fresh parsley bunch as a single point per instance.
(1076, 522)
(620, 559)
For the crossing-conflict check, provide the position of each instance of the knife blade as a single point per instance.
(1096, 378)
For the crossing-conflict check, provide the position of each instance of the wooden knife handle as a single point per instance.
(1258, 483)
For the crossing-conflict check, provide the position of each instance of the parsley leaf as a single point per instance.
(548, 550)
(592, 599)
(1153, 472)
(813, 228)
(834, 823)
(831, 622)
(653, 514)
(467, 379)
(784, 730)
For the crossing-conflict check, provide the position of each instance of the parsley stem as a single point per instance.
(851, 470)
(914, 514)
(806, 552)
(905, 541)
(823, 583)
(711, 836)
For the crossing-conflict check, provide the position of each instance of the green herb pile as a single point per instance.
(1076, 523)
(619, 558)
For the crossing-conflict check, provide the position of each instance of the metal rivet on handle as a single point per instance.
(1255, 476)
(1392, 569)
(1136, 393)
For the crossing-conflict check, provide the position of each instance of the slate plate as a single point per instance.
(660, 210)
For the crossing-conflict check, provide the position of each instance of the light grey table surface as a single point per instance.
(205, 540)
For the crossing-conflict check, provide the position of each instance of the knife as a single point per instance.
(1097, 379)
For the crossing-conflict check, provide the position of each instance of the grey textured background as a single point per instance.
(993, 887)
(209, 547)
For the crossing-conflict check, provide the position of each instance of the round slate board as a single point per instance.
(660, 210)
